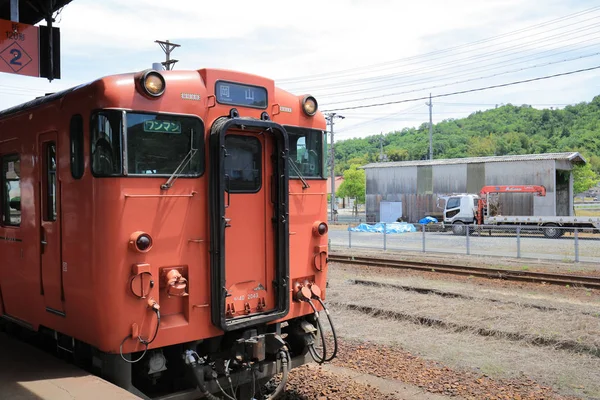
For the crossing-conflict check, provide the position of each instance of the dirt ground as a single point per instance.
(529, 340)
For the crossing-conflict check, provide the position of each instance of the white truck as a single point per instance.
(467, 211)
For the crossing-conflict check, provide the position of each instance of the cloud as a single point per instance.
(283, 40)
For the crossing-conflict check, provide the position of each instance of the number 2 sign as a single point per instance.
(19, 48)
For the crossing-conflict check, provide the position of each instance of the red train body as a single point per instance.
(174, 215)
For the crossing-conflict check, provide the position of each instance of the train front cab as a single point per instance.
(242, 298)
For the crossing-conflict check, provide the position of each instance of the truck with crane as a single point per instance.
(467, 211)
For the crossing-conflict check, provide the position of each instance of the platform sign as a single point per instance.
(19, 48)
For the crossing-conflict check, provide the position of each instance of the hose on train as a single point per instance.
(284, 356)
(199, 375)
(321, 358)
(145, 342)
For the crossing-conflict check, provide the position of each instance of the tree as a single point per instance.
(397, 154)
(584, 178)
(354, 185)
(504, 130)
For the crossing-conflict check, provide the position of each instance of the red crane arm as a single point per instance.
(537, 189)
(540, 190)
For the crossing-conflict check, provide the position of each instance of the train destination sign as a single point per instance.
(19, 48)
(241, 95)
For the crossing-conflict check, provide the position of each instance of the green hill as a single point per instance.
(501, 131)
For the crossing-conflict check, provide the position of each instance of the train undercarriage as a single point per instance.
(246, 364)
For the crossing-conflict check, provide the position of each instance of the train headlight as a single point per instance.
(140, 241)
(152, 83)
(310, 106)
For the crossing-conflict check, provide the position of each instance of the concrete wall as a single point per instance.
(419, 187)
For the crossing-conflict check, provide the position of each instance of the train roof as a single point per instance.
(39, 101)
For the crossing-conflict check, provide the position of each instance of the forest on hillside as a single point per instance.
(505, 130)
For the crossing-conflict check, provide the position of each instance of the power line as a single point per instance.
(488, 54)
(467, 80)
(467, 91)
(325, 75)
(495, 104)
(477, 66)
(385, 117)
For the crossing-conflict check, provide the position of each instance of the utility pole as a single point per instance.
(14, 11)
(382, 157)
(330, 117)
(167, 48)
(430, 104)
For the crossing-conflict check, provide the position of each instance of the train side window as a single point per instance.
(107, 132)
(76, 133)
(243, 164)
(11, 190)
(50, 184)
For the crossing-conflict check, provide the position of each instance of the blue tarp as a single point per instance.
(427, 220)
(395, 227)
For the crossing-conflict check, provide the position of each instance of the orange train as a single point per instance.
(168, 230)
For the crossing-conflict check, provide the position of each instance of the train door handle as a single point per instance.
(227, 188)
(43, 247)
(43, 240)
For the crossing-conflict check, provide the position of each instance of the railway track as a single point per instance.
(492, 273)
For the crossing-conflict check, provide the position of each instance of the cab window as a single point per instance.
(453, 202)
(306, 152)
(148, 144)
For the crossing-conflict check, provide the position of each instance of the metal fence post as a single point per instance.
(349, 239)
(423, 226)
(385, 236)
(518, 242)
(576, 246)
(468, 241)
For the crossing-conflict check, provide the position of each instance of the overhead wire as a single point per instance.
(339, 73)
(487, 55)
(419, 76)
(464, 81)
(466, 91)
(461, 71)
(344, 130)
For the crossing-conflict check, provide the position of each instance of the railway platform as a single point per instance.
(27, 373)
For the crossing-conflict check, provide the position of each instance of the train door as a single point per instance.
(248, 234)
(50, 229)
(249, 265)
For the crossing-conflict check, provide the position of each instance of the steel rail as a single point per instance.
(493, 273)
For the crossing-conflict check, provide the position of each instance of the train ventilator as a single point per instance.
(167, 230)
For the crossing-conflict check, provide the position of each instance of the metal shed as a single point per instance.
(420, 185)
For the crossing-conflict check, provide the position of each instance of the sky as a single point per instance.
(347, 53)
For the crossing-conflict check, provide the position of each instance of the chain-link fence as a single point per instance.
(548, 243)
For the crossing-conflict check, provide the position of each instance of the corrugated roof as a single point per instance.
(573, 157)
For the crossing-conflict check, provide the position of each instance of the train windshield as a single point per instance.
(306, 152)
(154, 144)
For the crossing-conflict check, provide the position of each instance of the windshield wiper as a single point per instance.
(186, 160)
(304, 183)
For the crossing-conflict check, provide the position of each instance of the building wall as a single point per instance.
(420, 187)
(524, 173)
